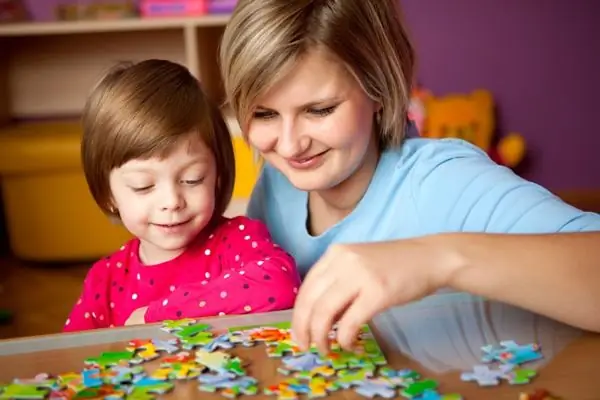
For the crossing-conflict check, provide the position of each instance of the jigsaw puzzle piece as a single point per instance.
(399, 378)
(372, 387)
(16, 391)
(485, 376)
(172, 326)
(347, 378)
(419, 388)
(509, 352)
(434, 395)
(302, 362)
(519, 376)
(219, 361)
(231, 385)
(110, 359)
(242, 337)
(220, 342)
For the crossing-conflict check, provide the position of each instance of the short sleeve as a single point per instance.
(457, 188)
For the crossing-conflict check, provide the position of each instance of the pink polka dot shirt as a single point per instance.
(236, 269)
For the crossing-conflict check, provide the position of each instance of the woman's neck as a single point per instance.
(328, 207)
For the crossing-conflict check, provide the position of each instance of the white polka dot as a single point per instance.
(111, 326)
(226, 276)
(101, 318)
(134, 296)
(283, 268)
(207, 275)
(119, 265)
(107, 264)
(247, 308)
(221, 313)
(68, 322)
(165, 302)
(112, 305)
(139, 277)
(94, 314)
(207, 252)
(86, 315)
(242, 272)
(261, 262)
(212, 235)
(237, 257)
(204, 282)
(223, 294)
(254, 245)
(122, 248)
(202, 303)
(247, 237)
(131, 254)
(242, 227)
(295, 290)
(172, 288)
(79, 301)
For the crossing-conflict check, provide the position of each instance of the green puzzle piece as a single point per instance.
(193, 330)
(17, 391)
(110, 358)
(419, 387)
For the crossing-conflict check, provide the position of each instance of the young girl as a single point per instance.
(373, 218)
(157, 155)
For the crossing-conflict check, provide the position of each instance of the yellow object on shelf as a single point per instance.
(50, 214)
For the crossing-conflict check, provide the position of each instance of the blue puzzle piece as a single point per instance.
(303, 362)
(484, 376)
(220, 342)
(510, 352)
(92, 378)
(434, 395)
(375, 387)
(170, 346)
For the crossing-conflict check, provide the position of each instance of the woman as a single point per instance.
(373, 218)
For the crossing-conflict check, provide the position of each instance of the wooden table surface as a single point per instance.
(439, 337)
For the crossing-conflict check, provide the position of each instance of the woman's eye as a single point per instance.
(322, 112)
(193, 182)
(263, 114)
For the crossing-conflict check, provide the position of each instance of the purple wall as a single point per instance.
(539, 60)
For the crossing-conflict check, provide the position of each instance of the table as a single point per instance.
(438, 337)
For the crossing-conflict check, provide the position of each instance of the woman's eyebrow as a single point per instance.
(321, 101)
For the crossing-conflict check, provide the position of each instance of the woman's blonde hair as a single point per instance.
(264, 38)
(143, 110)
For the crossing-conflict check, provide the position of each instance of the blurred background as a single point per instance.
(516, 78)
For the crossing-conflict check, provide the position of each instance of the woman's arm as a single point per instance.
(557, 275)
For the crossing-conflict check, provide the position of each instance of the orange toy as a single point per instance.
(471, 117)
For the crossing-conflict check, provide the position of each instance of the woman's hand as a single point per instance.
(137, 317)
(352, 283)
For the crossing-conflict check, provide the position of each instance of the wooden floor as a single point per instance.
(40, 296)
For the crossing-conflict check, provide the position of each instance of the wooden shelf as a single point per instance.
(131, 24)
(48, 68)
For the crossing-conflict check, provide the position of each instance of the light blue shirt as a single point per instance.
(424, 187)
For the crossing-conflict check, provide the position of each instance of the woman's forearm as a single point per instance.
(557, 275)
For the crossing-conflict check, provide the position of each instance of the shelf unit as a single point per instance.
(47, 68)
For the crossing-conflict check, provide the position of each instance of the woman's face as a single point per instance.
(316, 124)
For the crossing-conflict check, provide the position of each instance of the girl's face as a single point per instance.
(166, 202)
(316, 124)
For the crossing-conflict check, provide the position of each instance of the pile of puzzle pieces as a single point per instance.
(195, 353)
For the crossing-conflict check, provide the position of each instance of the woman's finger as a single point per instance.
(327, 309)
(363, 308)
(309, 294)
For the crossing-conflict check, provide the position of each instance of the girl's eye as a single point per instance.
(322, 112)
(142, 189)
(263, 114)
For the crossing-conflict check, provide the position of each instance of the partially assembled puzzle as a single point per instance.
(195, 352)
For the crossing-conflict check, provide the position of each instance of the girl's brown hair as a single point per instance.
(264, 38)
(143, 110)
